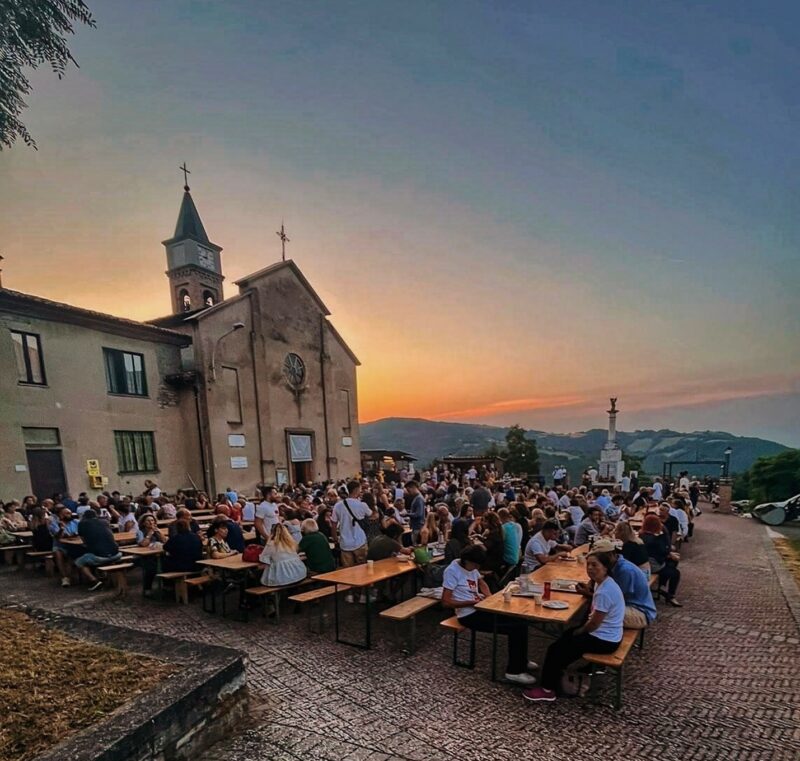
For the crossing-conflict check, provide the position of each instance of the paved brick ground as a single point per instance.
(719, 679)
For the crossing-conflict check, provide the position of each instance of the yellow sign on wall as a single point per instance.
(93, 467)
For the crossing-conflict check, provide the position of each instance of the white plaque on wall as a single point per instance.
(347, 441)
(236, 440)
(20, 468)
(237, 463)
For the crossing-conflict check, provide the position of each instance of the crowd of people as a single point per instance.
(490, 529)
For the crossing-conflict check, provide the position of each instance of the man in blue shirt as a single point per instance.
(640, 610)
(416, 509)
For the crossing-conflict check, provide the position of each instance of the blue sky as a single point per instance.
(593, 199)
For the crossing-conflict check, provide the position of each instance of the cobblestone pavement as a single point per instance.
(718, 679)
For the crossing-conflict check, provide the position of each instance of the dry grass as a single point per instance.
(789, 550)
(52, 685)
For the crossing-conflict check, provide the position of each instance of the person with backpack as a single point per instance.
(351, 518)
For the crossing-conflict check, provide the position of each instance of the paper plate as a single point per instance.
(555, 605)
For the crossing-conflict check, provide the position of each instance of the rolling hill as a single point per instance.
(429, 439)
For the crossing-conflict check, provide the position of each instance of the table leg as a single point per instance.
(336, 610)
(494, 647)
(367, 605)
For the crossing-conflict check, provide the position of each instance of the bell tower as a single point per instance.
(194, 265)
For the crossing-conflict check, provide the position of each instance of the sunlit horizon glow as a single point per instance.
(511, 216)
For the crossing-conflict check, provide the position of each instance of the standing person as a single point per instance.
(267, 514)
(626, 485)
(602, 632)
(658, 490)
(462, 587)
(99, 544)
(481, 500)
(416, 510)
(348, 515)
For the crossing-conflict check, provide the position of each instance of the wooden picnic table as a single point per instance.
(22, 534)
(125, 537)
(560, 569)
(526, 608)
(363, 577)
(232, 569)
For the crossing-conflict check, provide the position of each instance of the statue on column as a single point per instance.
(613, 405)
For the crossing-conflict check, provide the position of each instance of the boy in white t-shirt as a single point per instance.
(462, 587)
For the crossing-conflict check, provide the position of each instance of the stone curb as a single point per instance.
(789, 587)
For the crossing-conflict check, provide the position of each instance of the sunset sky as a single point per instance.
(514, 210)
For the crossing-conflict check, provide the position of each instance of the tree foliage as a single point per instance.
(32, 32)
(633, 462)
(521, 453)
(775, 478)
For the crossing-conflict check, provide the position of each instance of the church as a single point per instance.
(232, 392)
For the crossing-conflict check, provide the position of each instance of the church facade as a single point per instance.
(256, 388)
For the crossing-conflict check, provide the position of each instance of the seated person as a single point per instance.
(293, 524)
(235, 537)
(100, 547)
(166, 509)
(184, 515)
(592, 524)
(183, 549)
(148, 535)
(640, 610)
(387, 544)
(12, 519)
(462, 587)
(459, 539)
(633, 548)
(429, 533)
(218, 547)
(41, 541)
(601, 633)
(127, 521)
(284, 565)
(663, 561)
(544, 548)
(512, 537)
(314, 544)
(63, 526)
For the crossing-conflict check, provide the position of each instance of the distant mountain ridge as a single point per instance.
(429, 439)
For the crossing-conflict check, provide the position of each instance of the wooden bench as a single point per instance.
(116, 573)
(12, 552)
(407, 611)
(274, 593)
(453, 625)
(181, 583)
(614, 661)
(317, 598)
(43, 558)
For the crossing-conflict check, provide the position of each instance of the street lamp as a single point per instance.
(236, 326)
(727, 454)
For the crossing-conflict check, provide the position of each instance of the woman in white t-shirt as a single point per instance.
(462, 587)
(601, 633)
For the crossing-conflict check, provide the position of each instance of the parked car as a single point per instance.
(776, 513)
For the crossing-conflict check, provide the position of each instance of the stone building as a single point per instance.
(256, 388)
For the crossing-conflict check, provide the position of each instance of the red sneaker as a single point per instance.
(537, 694)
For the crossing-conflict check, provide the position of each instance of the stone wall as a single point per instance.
(176, 720)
